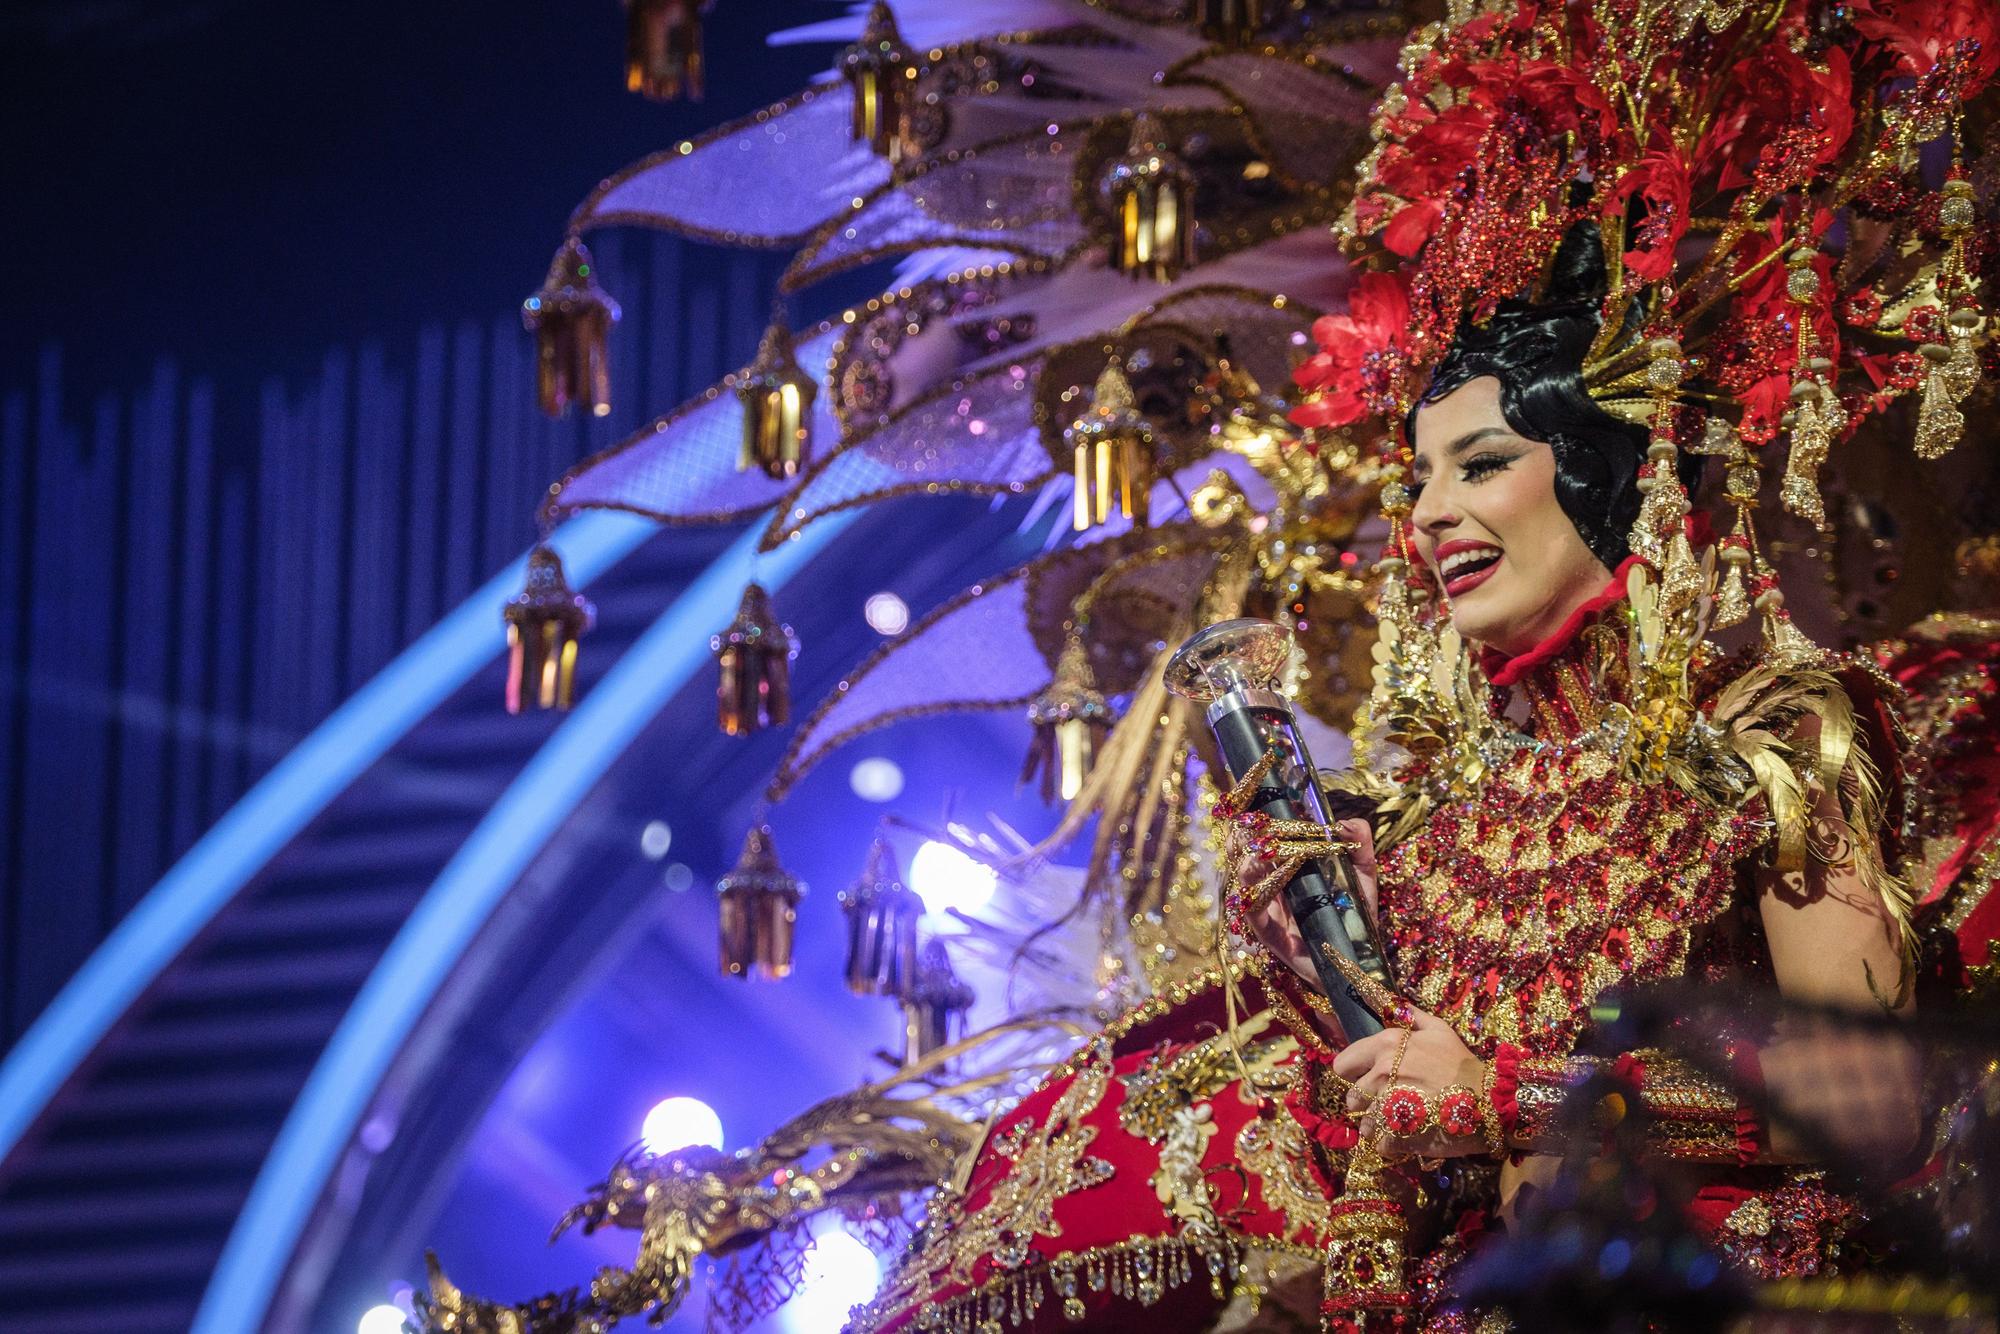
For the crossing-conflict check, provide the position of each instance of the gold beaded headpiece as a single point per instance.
(1794, 232)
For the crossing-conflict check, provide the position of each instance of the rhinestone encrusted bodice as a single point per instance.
(1513, 908)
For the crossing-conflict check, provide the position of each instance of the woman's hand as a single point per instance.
(1433, 1059)
(1273, 920)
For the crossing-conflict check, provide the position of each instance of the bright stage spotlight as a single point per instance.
(946, 878)
(675, 1123)
(840, 1274)
(384, 1319)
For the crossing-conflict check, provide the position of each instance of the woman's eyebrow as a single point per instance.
(1420, 466)
(1471, 438)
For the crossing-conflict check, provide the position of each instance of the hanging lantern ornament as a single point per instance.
(1071, 720)
(755, 657)
(571, 319)
(1113, 454)
(1232, 23)
(882, 915)
(777, 397)
(759, 906)
(544, 624)
(663, 48)
(934, 1011)
(1150, 193)
(881, 75)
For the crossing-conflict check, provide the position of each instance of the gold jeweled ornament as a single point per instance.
(1070, 719)
(1951, 367)
(571, 318)
(882, 915)
(880, 74)
(1113, 448)
(758, 905)
(934, 1009)
(544, 623)
(754, 655)
(1816, 418)
(1150, 194)
(663, 48)
(777, 397)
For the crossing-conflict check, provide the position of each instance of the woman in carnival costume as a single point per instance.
(1602, 246)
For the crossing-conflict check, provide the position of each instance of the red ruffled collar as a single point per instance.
(1502, 670)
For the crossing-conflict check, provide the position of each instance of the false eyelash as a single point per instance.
(1484, 466)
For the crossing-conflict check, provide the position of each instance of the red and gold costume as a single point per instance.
(1591, 816)
(1185, 1163)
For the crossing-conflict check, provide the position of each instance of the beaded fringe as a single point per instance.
(1143, 1270)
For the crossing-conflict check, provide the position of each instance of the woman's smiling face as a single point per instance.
(1486, 520)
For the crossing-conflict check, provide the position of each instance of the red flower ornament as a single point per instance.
(1363, 355)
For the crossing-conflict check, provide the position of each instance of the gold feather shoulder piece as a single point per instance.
(1792, 724)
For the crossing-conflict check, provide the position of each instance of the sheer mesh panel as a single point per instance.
(1015, 194)
(974, 654)
(743, 184)
(979, 435)
(1309, 122)
(682, 468)
(1260, 335)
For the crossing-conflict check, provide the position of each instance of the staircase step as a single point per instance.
(31, 1225)
(60, 1165)
(164, 1038)
(375, 908)
(99, 1316)
(251, 979)
(197, 1093)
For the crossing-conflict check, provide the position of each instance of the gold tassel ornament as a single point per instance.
(1659, 534)
(1070, 720)
(758, 904)
(882, 914)
(1951, 367)
(663, 49)
(1112, 445)
(934, 1010)
(1150, 194)
(881, 76)
(1817, 419)
(571, 318)
(777, 397)
(544, 624)
(754, 686)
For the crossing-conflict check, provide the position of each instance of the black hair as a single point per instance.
(1536, 351)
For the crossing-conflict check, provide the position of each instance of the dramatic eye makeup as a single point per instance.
(1484, 465)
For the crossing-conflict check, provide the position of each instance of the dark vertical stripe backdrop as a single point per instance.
(195, 573)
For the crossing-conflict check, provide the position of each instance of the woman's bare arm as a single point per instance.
(1835, 943)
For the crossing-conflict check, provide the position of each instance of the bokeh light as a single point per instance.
(384, 1319)
(655, 839)
(887, 614)
(675, 1123)
(947, 878)
(840, 1273)
(876, 779)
